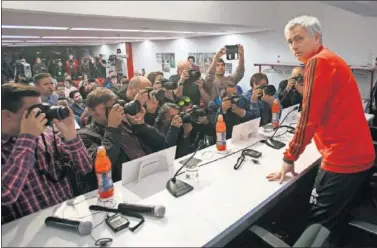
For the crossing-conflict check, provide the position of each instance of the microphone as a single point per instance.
(276, 144)
(156, 211)
(177, 187)
(81, 227)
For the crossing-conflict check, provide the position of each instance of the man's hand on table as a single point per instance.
(285, 168)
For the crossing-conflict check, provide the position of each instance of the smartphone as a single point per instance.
(252, 153)
(232, 52)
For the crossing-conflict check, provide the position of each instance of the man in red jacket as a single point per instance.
(332, 114)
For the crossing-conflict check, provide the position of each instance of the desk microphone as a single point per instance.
(276, 144)
(177, 187)
(81, 227)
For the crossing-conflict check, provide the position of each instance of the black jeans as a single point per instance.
(332, 195)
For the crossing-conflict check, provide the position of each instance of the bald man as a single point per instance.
(135, 85)
(195, 90)
(290, 90)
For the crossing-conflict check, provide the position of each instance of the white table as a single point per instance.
(222, 205)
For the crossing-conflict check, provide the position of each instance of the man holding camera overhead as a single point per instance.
(190, 83)
(35, 165)
(215, 80)
(290, 91)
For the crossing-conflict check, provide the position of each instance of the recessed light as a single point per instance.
(105, 29)
(70, 37)
(18, 37)
(34, 27)
(11, 41)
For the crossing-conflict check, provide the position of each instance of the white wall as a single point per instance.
(109, 49)
(259, 47)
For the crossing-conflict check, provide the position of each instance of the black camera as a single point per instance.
(262, 88)
(239, 100)
(168, 85)
(193, 114)
(194, 76)
(51, 112)
(132, 108)
(160, 94)
(299, 78)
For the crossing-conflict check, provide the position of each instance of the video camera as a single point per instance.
(192, 115)
(112, 59)
(51, 112)
(194, 76)
(23, 69)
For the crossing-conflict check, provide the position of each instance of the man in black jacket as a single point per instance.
(290, 90)
(124, 137)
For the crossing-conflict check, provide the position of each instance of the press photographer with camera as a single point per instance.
(36, 164)
(233, 106)
(260, 108)
(290, 90)
(45, 86)
(101, 66)
(124, 137)
(39, 66)
(59, 71)
(215, 79)
(72, 67)
(190, 83)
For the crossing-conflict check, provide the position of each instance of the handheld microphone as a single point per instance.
(81, 227)
(177, 187)
(276, 144)
(157, 211)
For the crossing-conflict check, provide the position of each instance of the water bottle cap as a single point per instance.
(101, 151)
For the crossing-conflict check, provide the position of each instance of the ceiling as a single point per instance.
(362, 8)
(26, 28)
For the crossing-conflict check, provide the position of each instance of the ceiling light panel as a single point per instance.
(19, 37)
(34, 27)
(70, 37)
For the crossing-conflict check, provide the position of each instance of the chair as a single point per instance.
(365, 215)
(314, 236)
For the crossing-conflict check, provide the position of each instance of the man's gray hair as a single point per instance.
(310, 23)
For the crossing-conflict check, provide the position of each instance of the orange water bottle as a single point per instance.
(220, 134)
(275, 113)
(102, 167)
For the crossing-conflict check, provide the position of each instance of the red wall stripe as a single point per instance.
(130, 62)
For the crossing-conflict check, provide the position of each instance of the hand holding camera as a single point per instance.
(137, 119)
(176, 121)
(33, 122)
(220, 53)
(116, 116)
(152, 104)
(226, 104)
(257, 94)
(184, 77)
(66, 126)
(200, 84)
(142, 97)
(187, 128)
(238, 111)
(291, 84)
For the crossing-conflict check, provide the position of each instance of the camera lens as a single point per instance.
(132, 108)
(169, 85)
(194, 75)
(57, 112)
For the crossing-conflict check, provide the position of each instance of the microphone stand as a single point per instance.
(276, 144)
(177, 187)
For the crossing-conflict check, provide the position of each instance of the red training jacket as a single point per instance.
(332, 112)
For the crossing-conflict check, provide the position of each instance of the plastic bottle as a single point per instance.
(275, 113)
(220, 134)
(102, 167)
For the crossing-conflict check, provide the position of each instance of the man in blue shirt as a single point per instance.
(44, 84)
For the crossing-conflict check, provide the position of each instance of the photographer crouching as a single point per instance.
(37, 166)
(121, 130)
(290, 91)
(233, 106)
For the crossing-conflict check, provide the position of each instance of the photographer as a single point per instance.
(124, 137)
(259, 107)
(35, 163)
(190, 84)
(290, 91)
(139, 90)
(101, 65)
(39, 66)
(233, 106)
(59, 71)
(215, 80)
(72, 67)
